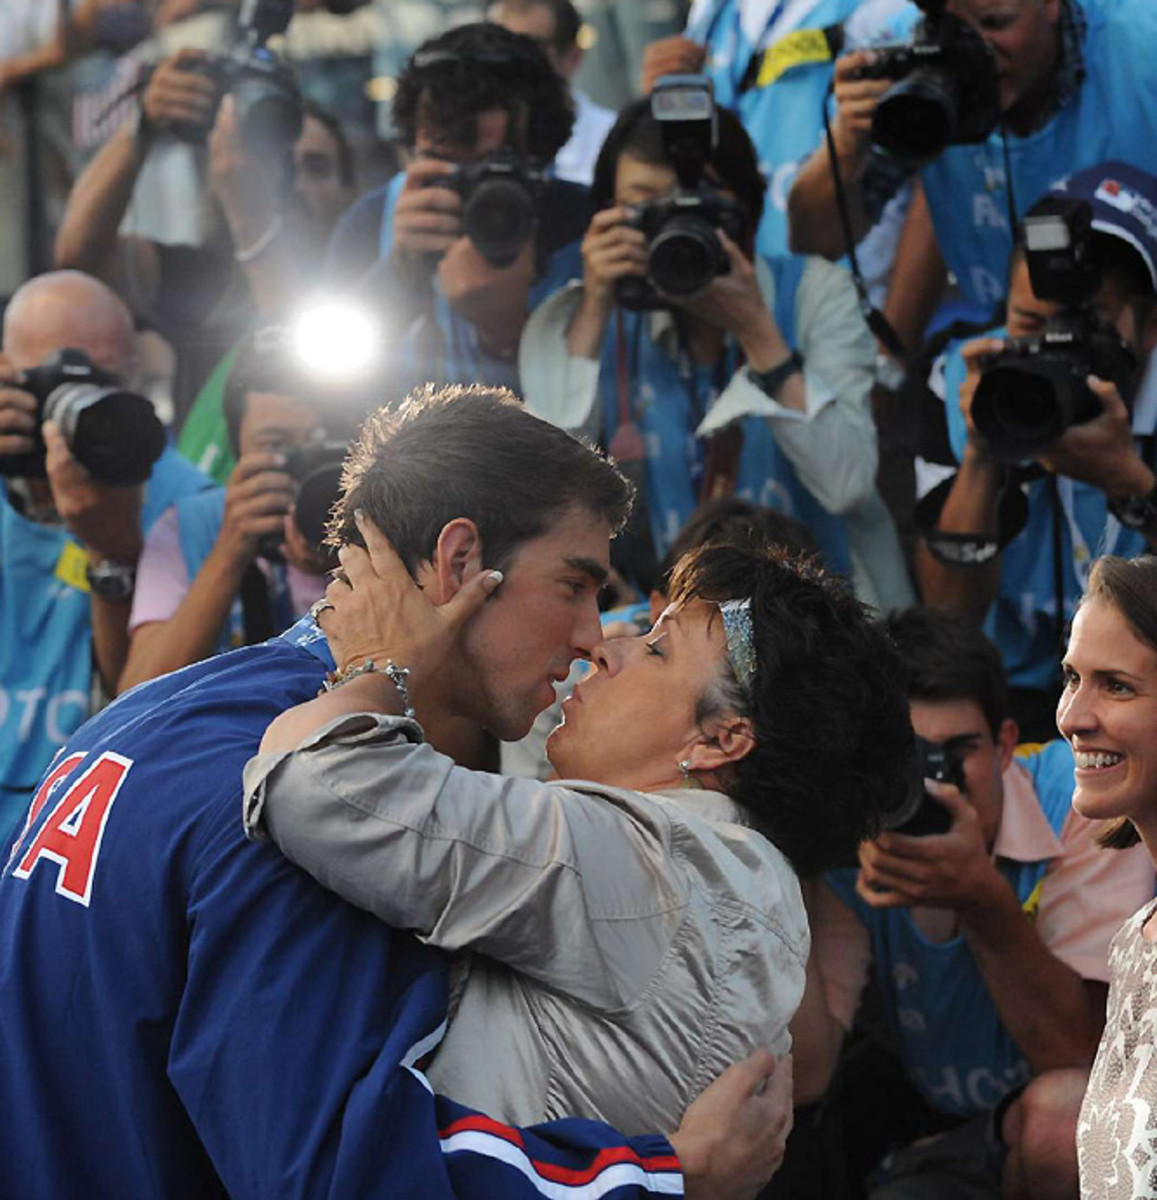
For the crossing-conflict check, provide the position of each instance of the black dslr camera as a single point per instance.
(946, 89)
(1034, 389)
(921, 814)
(684, 253)
(500, 197)
(114, 434)
(264, 89)
(316, 471)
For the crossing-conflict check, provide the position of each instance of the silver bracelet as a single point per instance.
(398, 676)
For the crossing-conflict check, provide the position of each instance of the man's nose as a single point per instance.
(588, 630)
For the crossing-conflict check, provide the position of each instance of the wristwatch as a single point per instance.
(111, 580)
(769, 382)
(1136, 512)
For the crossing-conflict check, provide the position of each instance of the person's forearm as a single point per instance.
(190, 635)
(814, 225)
(1042, 1002)
(584, 338)
(971, 508)
(110, 640)
(87, 239)
(918, 275)
(285, 257)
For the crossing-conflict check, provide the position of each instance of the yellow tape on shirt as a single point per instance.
(802, 46)
(70, 567)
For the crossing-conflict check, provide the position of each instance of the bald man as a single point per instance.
(68, 545)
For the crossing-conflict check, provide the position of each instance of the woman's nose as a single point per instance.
(1075, 712)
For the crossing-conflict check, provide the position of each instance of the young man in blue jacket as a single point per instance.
(183, 1013)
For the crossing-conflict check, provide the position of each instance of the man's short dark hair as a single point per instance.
(470, 451)
(564, 15)
(946, 658)
(636, 132)
(260, 364)
(470, 69)
(833, 739)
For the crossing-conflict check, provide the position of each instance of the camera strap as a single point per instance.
(879, 324)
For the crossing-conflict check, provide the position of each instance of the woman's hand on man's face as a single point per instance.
(379, 612)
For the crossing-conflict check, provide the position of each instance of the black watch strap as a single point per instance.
(1138, 513)
(769, 382)
(110, 580)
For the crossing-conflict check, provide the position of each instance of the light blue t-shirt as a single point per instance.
(1112, 116)
(46, 634)
(783, 116)
(955, 1048)
(1022, 621)
(668, 398)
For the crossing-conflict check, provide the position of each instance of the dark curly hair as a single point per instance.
(453, 77)
(833, 740)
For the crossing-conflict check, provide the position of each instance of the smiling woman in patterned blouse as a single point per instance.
(1108, 714)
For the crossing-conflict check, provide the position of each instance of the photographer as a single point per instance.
(1013, 542)
(230, 566)
(69, 544)
(988, 944)
(276, 206)
(1072, 82)
(555, 25)
(467, 240)
(755, 381)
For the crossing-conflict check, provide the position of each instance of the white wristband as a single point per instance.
(262, 244)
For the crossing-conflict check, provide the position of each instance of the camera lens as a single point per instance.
(1025, 402)
(115, 435)
(316, 497)
(684, 256)
(916, 119)
(498, 219)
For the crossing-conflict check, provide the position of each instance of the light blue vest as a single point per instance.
(46, 634)
(955, 1049)
(1022, 620)
(783, 118)
(1112, 116)
(668, 399)
(199, 520)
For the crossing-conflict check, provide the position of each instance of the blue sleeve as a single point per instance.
(295, 1041)
(355, 243)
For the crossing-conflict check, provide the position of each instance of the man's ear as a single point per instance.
(457, 559)
(656, 603)
(1006, 741)
(724, 740)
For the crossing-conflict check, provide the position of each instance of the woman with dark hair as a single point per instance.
(632, 932)
(756, 385)
(1108, 714)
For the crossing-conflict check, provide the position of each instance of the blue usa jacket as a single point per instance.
(184, 1013)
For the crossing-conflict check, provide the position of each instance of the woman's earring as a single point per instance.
(685, 769)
